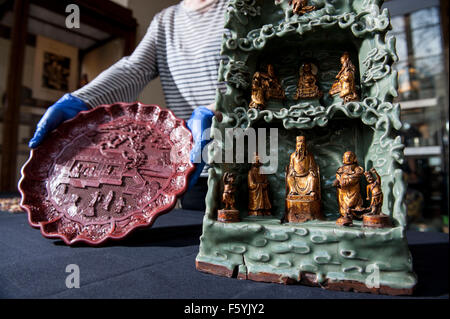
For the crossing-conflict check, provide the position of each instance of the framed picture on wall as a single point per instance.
(55, 69)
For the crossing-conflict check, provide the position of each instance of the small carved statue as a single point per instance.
(108, 199)
(264, 87)
(275, 90)
(96, 197)
(259, 87)
(302, 185)
(348, 189)
(374, 217)
(301, 7)
(345, 84)
(229, 214)
(119, 205)
(374, 191)
(307, 84)
(258, 191)
(228, 191)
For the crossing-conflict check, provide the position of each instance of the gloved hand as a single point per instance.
(64, 109)
(200, 120)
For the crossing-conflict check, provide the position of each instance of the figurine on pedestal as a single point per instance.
(264, 87)
(258, 191)
(348, 189)
(345, 84)
(301, 7)
(229, 214)
(302, 185)
(375, 218)
(307, 84)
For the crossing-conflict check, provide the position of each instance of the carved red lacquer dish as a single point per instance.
(106, 172)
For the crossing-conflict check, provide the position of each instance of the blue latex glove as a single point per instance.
(66, 108)
(200, 120)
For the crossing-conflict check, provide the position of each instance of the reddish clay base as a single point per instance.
(228, 216)
(308, 279)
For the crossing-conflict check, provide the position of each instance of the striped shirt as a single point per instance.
(182, 46)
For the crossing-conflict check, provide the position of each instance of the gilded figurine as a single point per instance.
(345, 83)
(229, 213)
(301, 7)
(373, 191)
(302, 185)
(307, 84)
(348, 189)
(275, 90)
(374, 217)
(228, 191)
(258, 191)
(264, 87)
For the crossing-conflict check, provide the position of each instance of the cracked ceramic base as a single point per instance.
(307, 279)
(314, 253)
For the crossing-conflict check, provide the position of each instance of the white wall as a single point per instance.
(100, 59)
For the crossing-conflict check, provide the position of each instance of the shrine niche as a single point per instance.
(332, 62)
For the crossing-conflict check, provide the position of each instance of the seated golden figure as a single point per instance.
(348, 189)
(275, 90)
(258, 191)
(301, 7)
(345, 84)
(302, 185)
(307, 84)
(264, 87)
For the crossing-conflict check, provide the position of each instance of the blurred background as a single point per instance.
(41, 59)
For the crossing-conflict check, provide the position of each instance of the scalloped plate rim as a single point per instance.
(166, 209)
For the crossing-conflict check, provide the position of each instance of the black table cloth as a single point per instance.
(159, 262)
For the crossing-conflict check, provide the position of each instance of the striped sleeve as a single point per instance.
(124, 80)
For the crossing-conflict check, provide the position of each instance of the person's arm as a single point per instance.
(122, 82)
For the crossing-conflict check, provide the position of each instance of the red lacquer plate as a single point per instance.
(106, 172)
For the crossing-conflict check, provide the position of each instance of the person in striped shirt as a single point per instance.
(182, 47)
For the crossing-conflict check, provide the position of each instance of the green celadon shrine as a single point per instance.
(317, 252)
